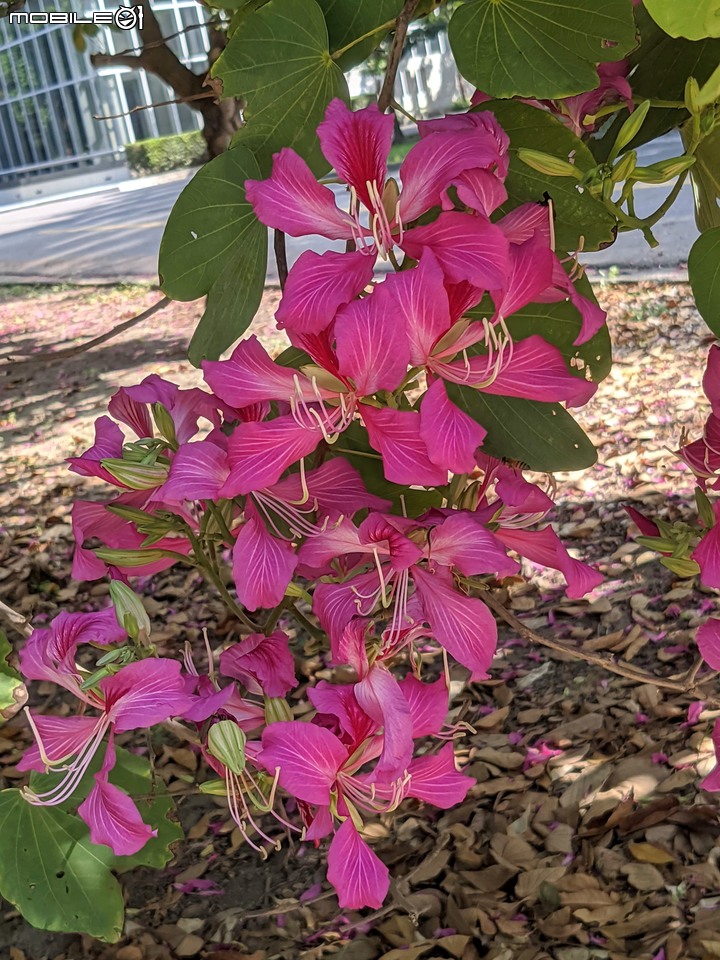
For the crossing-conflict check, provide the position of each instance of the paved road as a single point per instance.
(115, 234)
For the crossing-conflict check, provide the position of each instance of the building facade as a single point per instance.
(50, 94)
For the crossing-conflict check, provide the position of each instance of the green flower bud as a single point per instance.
(130, 612)
(215, 788)
(277, 709)
(630, 129)
(624, 167)
(663, 170)
(128, 558)
(710, 91)
(548, 164)
(692, 95)
(137, 476)
(164, 422)
(226, 742)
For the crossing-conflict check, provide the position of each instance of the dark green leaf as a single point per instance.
(539, 48)
(11, 684)
(280, 63)
(695, 20)
(214, 244)
(705, 175)
(348, 20)
(51, 872)
(293, 357)
(542, 435)
(576, 214)
(704, 274)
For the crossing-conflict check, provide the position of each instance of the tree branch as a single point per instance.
(52, 356)
(401, 28)
(16, 620)
(280, 257)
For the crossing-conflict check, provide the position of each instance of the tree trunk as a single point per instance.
(220, 121)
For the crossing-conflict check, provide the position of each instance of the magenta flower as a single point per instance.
(357, 144)
(458, 545)
(544, 547)
(708, 641)
(140, 695)
(263, 664)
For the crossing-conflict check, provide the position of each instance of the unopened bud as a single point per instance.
(710, 90)
(692, 95)
(630, 129)
(130, 612)
(548, 164)
(226, 742)
(683, 568)
(215, 788)
(164, 422)
(663, 170)
(277, 709)
(624, 167)
(128, 558)
(137, 476)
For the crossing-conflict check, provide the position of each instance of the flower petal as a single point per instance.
(428, 703)
(259, 453)
(462, 542)
(145, 693)
(544, 547)
(308, 757)
(707, 555)
(108, 445)
(435, 780)
(197, 472)
(263, 664)
(380, 697)
(61, 737)
(357, 144)
(360, 878)
(317, 285)
(336, 487)
(708, 641)
(419, 301)
(467, 248)
(262, 565)
(396, 434)
(530, 273)
(481, 190)
(252, 376)
(450, 434)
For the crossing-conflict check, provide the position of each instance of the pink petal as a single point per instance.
(360, 878)
(707, 555)
(338, 701)
(259, 453)
(61, 737)
(372, 352)
(515, 491)
(357, 143)
(335, 604)
(132, 412)
(711, 378)
(108, 444)
(252, 376)
(145, 693)
(544, 547)
(644, 524)
(396, 434)
(419, 300)
(197, 472)
(317, 285)
(308, 757)
(264, 664)
(462, 542)
(337, 540)
(335, 486)
(461, 624)
(531, 272)
(428, 703)
(712, 781)
(434, 163)
(521, 223)
(708, 641)
(467, 248)
(262, 565)
(113, 818)
(385, 533)
(481, 190)
(352, 648)
(435, 780)
(379, 695)
(293, 201)
(451, 436)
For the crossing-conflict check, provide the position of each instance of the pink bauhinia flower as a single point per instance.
(407, 557)
(139, 695)
(357, 145)
(324, 773)
(263, 664)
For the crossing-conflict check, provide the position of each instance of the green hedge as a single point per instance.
(166, 153)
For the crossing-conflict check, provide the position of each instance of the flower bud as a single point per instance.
(630, 129)
(137, 476)
(692, 95)
(548, 164)
(276, 709)
(226, 742)
(624, 167)
(164, 422)
(128, 558)
(130, 612)
(215, 788)
(663, 170)
(710, 91)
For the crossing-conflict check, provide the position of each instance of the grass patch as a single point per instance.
(399, 151)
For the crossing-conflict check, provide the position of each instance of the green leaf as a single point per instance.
(51, 872)
(539, 48)
(695, 20)
(542, 435)
(348, 20)
(12, 688)
(705, 176)
(576, 214)
(280, 63)
(704, 274)
(214, 244)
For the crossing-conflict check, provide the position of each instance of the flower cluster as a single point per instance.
(343, 475)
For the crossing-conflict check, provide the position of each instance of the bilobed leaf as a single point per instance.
(214, 244)
(348, 20)
(12, 687)
(280, 63)
(539, 48)
(576, 214)
(51, 872)
(542, 435)
(695, 20)
(704, 274)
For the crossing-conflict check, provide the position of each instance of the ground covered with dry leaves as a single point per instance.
(586, 835)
